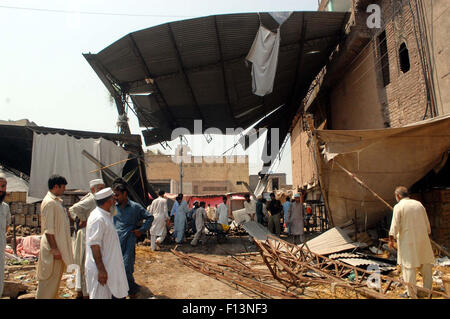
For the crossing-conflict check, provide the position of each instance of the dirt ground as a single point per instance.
(163, 276)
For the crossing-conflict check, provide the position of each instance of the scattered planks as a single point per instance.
(291, 264)
(238, 274)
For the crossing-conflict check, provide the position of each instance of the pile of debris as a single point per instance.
(21, 231)
(259, 282)
(331, 265)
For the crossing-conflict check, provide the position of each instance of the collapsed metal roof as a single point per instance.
(195, 69)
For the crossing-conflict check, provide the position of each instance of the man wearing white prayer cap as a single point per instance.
(295, 219)
(81, 210)
(105, 271)
(5, 220)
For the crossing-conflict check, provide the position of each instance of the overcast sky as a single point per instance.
(45, 78)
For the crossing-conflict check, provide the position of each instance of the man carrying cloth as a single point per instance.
(56, 244)
(82, 209)
(105, 271)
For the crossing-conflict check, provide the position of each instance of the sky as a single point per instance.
(45, 78)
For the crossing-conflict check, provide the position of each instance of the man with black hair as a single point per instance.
(286, 205)
(158, 231)
(127, 222)
(274, 209)
(180, 221)
(56, 244)
(259, 210)
(222, 212)
(250, 206)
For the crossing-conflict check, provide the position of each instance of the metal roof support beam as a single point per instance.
(295, 88)
(111, 84)
(225, 83)
(183, 71)
(169, 116)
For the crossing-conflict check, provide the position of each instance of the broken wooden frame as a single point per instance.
(290, 264)
(239, 274)
(436, 246)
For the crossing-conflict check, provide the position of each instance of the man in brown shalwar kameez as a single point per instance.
(56, 245)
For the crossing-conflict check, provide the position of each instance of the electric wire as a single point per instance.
(93, 12)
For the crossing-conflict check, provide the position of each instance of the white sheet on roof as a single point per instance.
(61, 154)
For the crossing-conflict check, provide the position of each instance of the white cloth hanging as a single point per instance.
(264, 57)
(281, 16)
(62, 154)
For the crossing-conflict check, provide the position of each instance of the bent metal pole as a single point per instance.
(360, 182)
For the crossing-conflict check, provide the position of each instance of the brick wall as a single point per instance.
(303, 169)
(405, 95)
(437, 204)
(201, 173)
(359, 100)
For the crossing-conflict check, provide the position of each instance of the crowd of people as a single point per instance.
(109, 224)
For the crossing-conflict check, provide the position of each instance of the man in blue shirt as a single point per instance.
(127, 222)
(286, 206)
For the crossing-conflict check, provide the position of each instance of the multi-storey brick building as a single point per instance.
(389, 76)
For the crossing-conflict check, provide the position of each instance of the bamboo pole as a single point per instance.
(316, 154)
(360, 182)
(113, 164)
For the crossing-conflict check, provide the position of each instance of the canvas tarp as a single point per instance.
(62, 154)
(382, 159)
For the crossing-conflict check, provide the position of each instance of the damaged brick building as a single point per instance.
(382, 78)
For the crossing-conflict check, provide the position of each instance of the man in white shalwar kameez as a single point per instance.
(82, 209)
(222, 212)
(158, 230)
(105, 271)
(200, 217)
(5, 220)
(250, 206)
(295, 219)
(411, 228)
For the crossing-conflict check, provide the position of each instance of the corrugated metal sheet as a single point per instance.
(357, 262)
(199, 70)
(256, 230)
(332, 241)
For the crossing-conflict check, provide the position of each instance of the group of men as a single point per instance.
(109, 224)
(273, 212)
(197, 216)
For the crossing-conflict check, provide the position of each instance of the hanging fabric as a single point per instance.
(281, 16)
(264, 57)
